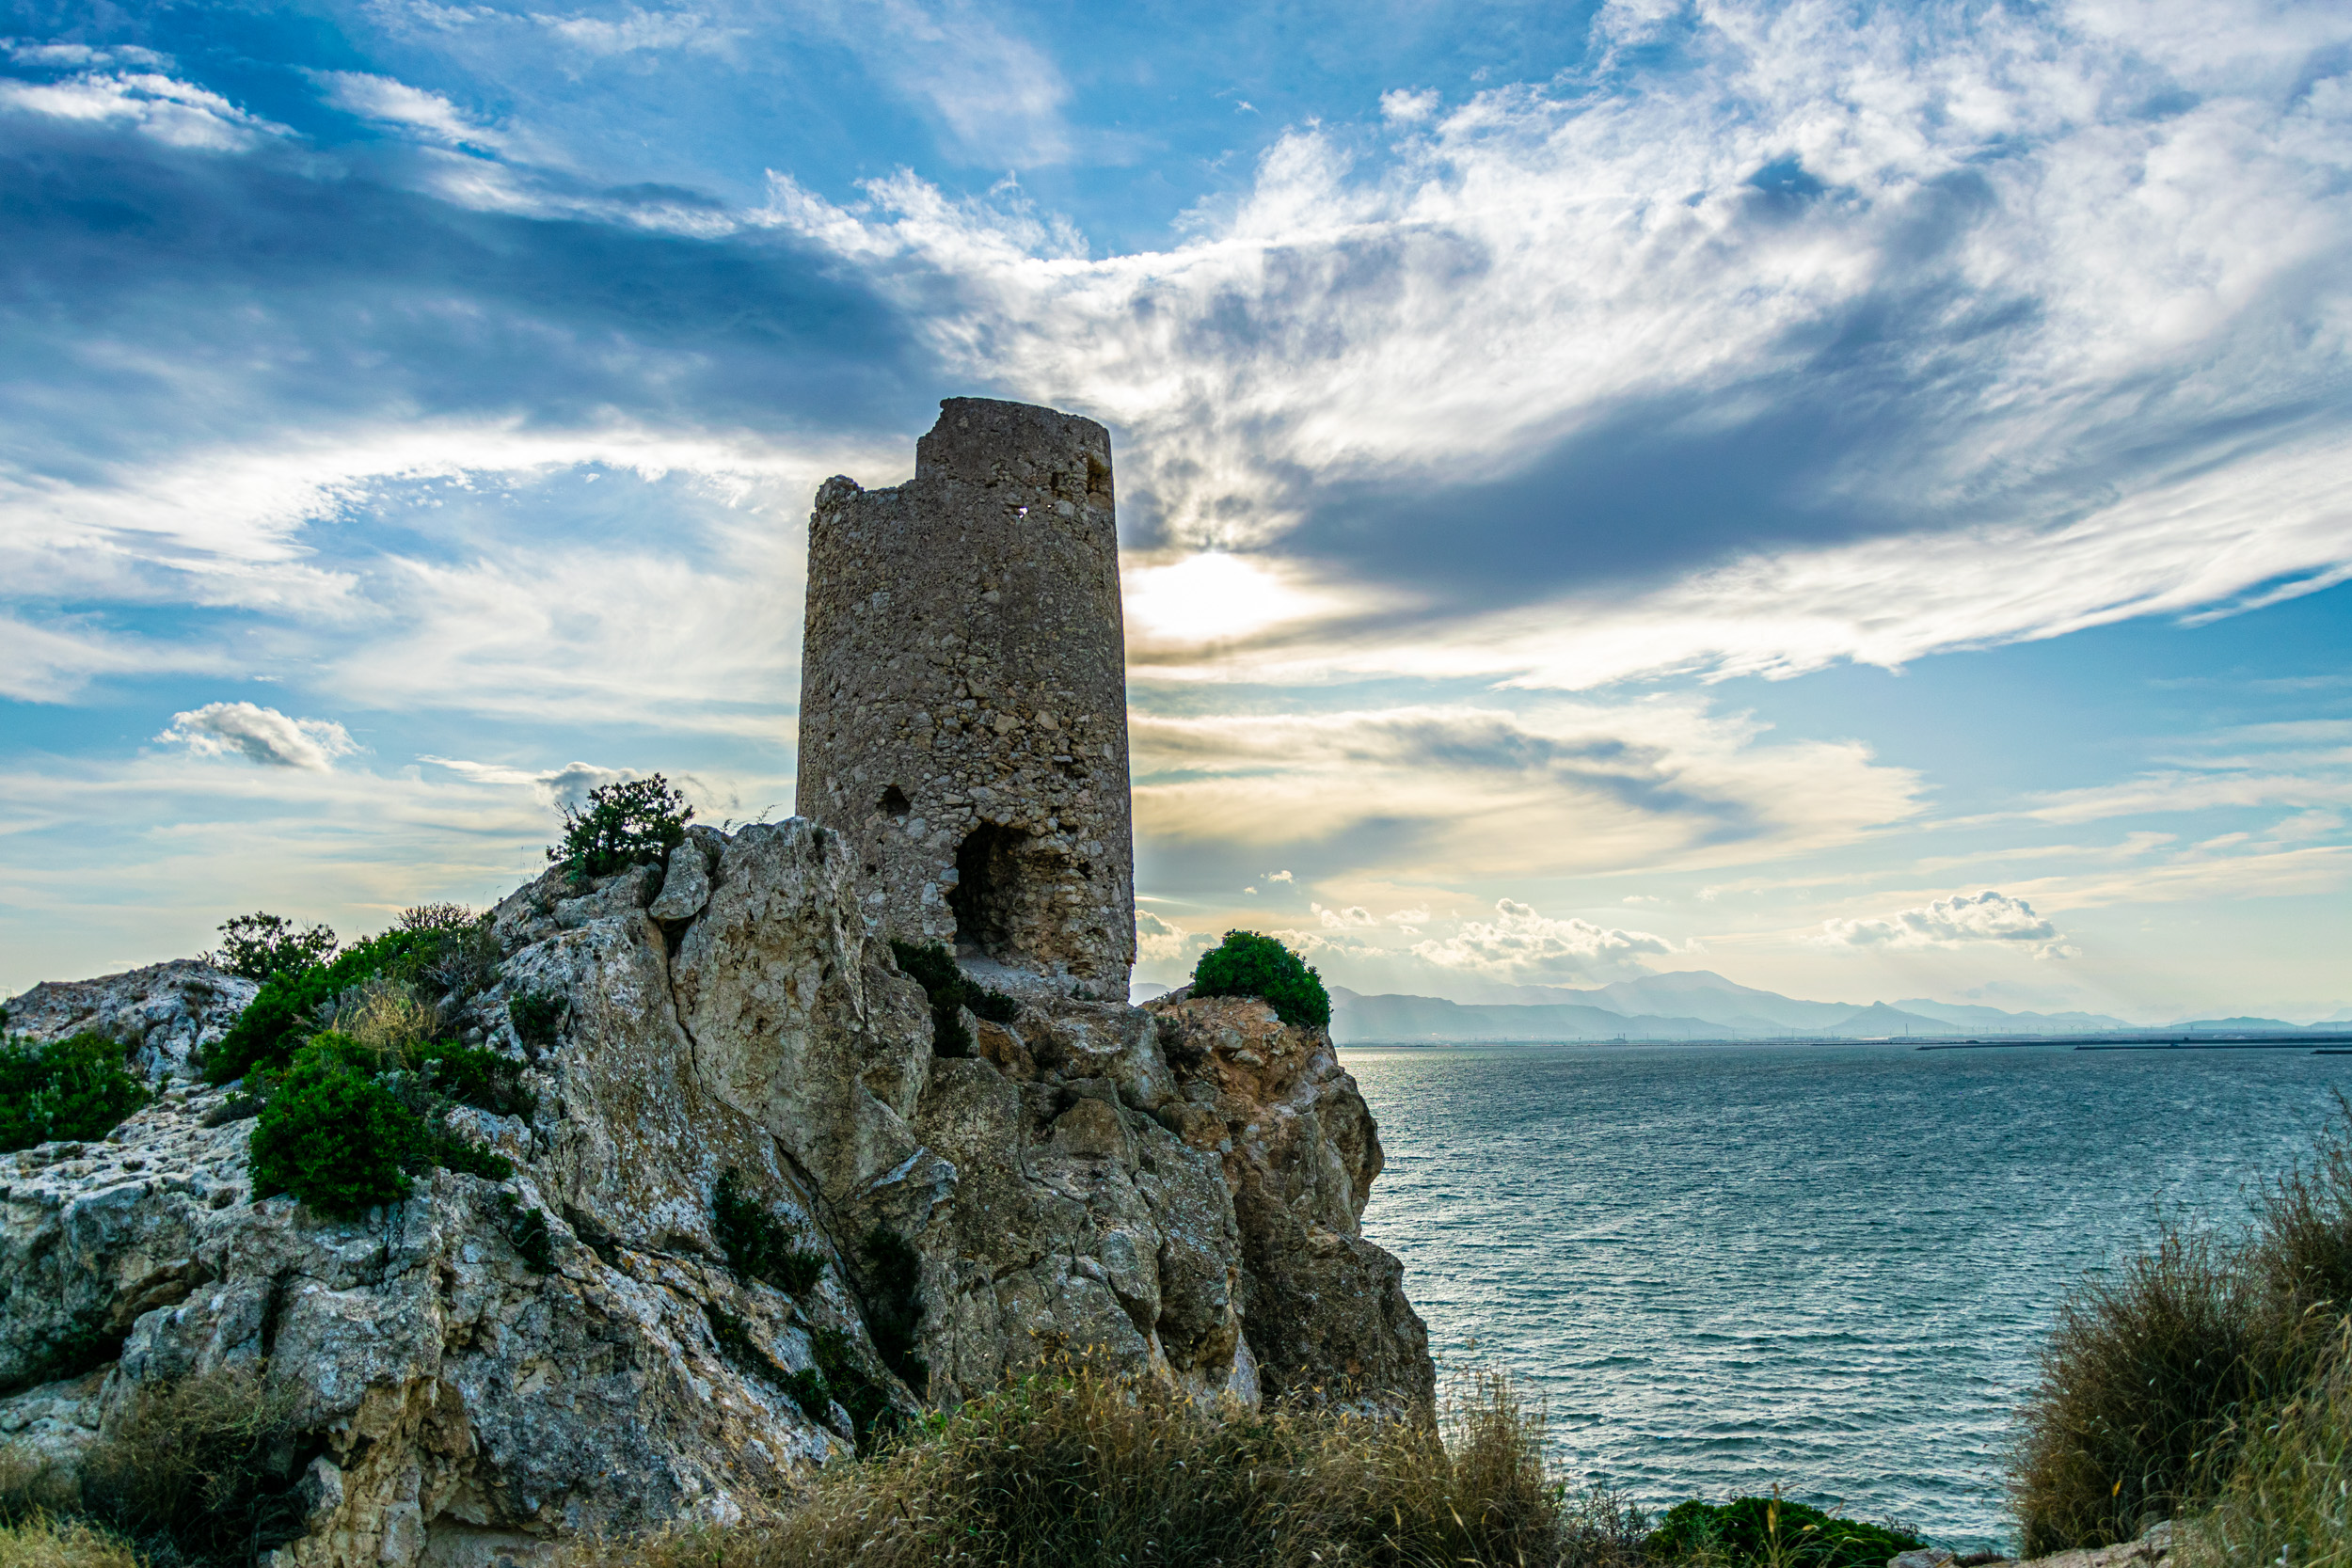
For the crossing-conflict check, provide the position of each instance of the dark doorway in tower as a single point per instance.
(987, 896)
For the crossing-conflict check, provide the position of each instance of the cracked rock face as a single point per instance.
(1175, 1191)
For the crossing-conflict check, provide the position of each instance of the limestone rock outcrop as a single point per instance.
(489, 1366)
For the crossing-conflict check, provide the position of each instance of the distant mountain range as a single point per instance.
(1691, 1005)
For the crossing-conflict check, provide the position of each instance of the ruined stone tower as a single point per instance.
(963, 694)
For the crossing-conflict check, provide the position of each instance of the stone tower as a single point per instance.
(963, 692)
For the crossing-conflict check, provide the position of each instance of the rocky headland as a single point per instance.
(487, 1368)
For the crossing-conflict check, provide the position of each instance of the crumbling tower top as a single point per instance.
(963, 692)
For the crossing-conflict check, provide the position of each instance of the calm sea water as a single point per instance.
(1829, 1267)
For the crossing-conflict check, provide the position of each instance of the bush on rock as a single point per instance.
(624, 824)
(344, 1130)
(1248, 965)
(933, 968)
(438, 949)
(75, 1088)
(261, 945)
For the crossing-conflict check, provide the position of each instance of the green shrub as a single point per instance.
(477, 1076)
(844, 1375)
(1081, 1469)
(536, 1016)
(637, 820)
(71, 1090)
(291, 1005)
(528, 1229)
(258, 947)
(335, 1136)
(933, 968)
(893, 1303)
(757, 1245)
(342, 1133)
(1248, 965)
(202, 1471)
(1773, 1532)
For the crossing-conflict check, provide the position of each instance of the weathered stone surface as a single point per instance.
(964, 701)
(166, 1012)
(1326, 1309)
(1174, 1192)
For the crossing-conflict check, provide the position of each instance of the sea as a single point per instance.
(1830, 1269)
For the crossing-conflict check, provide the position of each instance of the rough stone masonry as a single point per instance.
(963, 701)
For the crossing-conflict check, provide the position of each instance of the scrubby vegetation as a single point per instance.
(260, 946)
(624, 824)
(758, 1245)
(203, 1470)
(1248, 965)
(2203, 1369)
(43, 1540)
(350, 1123)
(75, 1088)
(933, 968)
(200, 1473)
(893, 1303)
(537, 1016)
(2288, 1499)
(1773, 1532)
(436, 954)
(1075, 1468)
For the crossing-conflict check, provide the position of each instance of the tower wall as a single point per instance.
(963, 694)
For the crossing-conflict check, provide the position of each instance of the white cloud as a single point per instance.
(1336, 920)
(178, 113)
(1279, 876)
(1522, 945)
(563, 788)
(261, 735)
(2116, 315)
(389, 101)
(1956, 922)
(639, 30)
(1443, 793)
(1162, 941)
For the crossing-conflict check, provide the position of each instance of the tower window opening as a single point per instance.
(987, 897)
(895, 801)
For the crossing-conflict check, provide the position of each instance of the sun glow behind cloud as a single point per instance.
(1763, 342)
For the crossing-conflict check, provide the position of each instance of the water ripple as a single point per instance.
(1827, 1267)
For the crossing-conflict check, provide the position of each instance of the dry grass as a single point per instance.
(46, 1541)
(2288, 1498)
(388, 1019)
(1079, 1469)
(2154, 1378)
(200, 1470)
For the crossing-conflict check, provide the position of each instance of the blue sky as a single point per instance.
(1858, 497)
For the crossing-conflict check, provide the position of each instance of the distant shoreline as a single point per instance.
(2157, 1040)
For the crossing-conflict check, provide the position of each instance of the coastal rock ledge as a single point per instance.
(487, 1368)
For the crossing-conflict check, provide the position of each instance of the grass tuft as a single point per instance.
(202, 1470)
(2156, 1377)
(1078, 1469)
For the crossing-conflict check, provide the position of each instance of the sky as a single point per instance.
(1856, 497)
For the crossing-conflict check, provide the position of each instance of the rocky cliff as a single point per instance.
(489, 1366)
